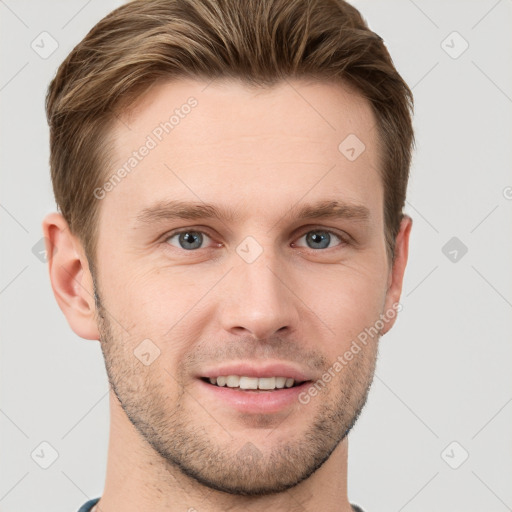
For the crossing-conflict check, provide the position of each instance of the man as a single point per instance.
(230, 177)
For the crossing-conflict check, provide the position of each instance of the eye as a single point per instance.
(192, 239)
(187, 239)
(321, 239)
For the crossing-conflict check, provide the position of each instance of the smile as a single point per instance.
(253, 383)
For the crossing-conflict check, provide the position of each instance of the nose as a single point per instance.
(260, 299)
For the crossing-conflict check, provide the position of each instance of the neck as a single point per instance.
(137, 478)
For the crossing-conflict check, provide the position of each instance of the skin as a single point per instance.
(259, 152)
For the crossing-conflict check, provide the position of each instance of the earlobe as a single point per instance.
(397, 272)
(70, 276)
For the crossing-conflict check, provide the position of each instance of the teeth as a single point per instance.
(267, 383)
(232, 381)
(243, 382)
(248, 383)
(280, 382)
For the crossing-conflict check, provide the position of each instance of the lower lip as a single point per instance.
(258, 402)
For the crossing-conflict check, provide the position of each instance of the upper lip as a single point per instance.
(247, 369)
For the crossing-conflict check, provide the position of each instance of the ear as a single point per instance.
(70, 276)
(396, 275)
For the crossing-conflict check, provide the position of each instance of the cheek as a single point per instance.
(167, 296)
(348, 302)
(175, 305)
(166, 307)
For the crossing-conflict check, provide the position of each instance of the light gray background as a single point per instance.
(444, 372)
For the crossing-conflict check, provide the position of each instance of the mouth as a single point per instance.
(253, 384)
(274, 387)
(254, 395)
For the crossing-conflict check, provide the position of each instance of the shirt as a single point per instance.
(86, 507)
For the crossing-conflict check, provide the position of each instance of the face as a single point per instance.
(243, 243)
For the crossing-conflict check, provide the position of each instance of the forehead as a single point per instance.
(224, 140)
(222, 110)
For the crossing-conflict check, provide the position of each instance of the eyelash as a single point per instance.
(344, 240)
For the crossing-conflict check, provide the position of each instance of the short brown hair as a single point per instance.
(260, 42)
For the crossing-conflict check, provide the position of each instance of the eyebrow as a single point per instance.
(173, 209)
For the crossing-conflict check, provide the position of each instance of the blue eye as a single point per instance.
(188, 240)
(320, 239)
